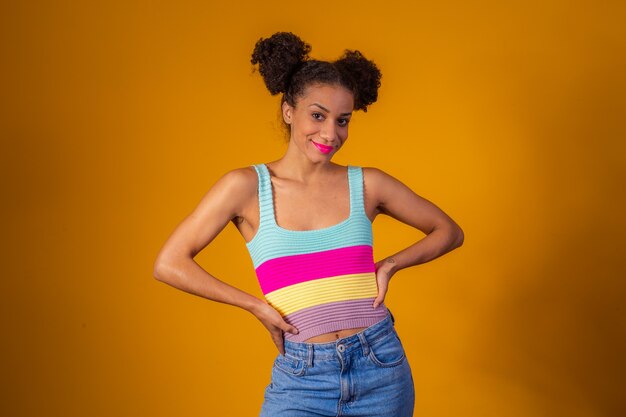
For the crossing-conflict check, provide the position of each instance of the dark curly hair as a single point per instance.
(286, 68)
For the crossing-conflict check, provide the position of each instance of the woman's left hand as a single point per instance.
(384, 272)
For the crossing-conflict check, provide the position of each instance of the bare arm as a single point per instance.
(175, 264)
(398, 201)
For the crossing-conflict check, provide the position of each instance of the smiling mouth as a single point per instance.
(322, 148)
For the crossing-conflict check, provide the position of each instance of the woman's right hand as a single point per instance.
(273, 321)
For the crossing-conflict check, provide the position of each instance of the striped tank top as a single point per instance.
(320, 280)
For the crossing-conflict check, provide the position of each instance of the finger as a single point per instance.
(376, 301)
(292, 330)
(380, 297)
(286, 327)
(278, 341)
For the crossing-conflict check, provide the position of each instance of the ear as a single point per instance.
(287, 111)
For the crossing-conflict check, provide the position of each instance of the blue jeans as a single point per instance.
(365, 374)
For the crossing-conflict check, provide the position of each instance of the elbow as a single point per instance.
(158, 271)
(162, 269)
(458, 236)
(454, 234)
(168, 266)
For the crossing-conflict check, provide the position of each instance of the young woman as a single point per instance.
(307, 223)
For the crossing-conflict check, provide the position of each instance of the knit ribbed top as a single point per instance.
(320, 280)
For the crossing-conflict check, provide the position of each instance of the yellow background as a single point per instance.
(118, 116)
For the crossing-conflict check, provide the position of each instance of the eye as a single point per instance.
(318, 116)
(343, 122)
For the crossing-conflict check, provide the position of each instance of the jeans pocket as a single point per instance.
(290, 365)
(387, 351)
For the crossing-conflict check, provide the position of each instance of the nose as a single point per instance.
(329, 132)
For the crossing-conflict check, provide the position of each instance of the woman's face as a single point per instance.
(319, 121)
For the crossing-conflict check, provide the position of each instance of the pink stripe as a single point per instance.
(282, 272)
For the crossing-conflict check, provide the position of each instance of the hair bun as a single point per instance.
(278, 57)
(365, 74)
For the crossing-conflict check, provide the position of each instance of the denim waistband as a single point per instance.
(345, 345)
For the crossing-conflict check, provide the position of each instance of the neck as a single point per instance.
(298, 167)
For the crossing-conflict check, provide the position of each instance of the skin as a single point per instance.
(310, 192)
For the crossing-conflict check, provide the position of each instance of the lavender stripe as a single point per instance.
(330, 317)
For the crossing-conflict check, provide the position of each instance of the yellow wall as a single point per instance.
(116, 118)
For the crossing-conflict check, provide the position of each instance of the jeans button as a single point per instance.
(341, 348)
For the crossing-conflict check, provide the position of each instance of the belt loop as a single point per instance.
(364, 344)
(310, 355)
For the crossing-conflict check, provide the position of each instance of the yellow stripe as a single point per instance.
(324, 290)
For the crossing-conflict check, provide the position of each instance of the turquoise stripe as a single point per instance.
(272, 241)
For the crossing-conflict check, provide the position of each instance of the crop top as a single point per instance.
(320, 280)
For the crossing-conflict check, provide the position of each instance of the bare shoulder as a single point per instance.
(242, 179)
(396, 199)
(375, 176)
(377, 181)
(235, 187)
(386, 190)
(226, 199)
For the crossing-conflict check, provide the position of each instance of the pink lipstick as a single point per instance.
(323, 148)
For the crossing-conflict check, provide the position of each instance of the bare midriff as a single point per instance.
(332, 336)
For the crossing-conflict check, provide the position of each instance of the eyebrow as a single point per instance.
(328, 111)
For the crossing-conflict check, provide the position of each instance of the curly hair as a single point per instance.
(284, 63)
